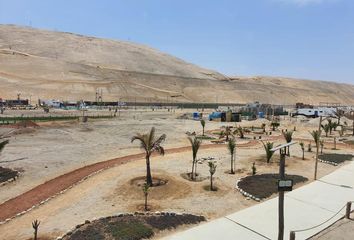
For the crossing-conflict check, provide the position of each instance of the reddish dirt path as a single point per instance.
(44, 191)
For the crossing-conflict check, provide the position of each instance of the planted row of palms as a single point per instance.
(329, 127)
(288, 138)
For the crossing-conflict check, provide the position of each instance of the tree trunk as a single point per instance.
(232, 164)
(192, 172)
(288, 151)
(203, 131)
(148, 171)
(211, 182)
(303, 154)
(146, 202)
(35, 234)
(195, 169)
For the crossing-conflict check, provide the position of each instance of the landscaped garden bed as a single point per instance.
(130, 226)
(335, 158)
(7, 174)
(262, 186)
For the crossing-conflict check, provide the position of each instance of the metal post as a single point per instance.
(281, 195)
(348, 210)
(292, 235)
(317, 148)
(352, 112)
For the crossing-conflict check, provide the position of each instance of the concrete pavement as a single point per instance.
(305, 207)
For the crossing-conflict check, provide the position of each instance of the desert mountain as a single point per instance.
(57, 65)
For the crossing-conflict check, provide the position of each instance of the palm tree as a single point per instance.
(339, 113)
(322, 145)
(267, 147)
(303, 150)
(150, 144)
(240, 131)
(316, 136)
(232, 148)
(274, 125)
(288, 138)
(212, 170)
(35, 225)
(334, 126)
(327, 127)
(227, 133)
(146, 189)
(202, 122)
(195, 143)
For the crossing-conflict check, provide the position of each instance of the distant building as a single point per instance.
(315, 112)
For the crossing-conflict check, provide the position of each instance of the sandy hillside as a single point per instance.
(46, 64)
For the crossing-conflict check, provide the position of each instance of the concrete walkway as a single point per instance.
(305, 207)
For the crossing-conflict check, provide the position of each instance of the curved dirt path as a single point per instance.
(54, 186)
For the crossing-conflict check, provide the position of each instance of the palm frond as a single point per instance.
(3, 144)
(231, 145)
(151, 137)
(288, 136)
(195, 143)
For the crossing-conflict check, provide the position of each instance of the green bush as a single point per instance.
(132, 230)
(90, 233)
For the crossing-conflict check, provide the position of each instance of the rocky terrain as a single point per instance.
(56, 65)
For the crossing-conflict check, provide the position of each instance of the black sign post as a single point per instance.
(283, 185)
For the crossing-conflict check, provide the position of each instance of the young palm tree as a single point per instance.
(339, 113)
(274, 125)
(240, 131)
(316, 136)
(195, 143)
(288, 138)
(35, 225)
(232, 148)
(302, 145)
(267, 147)
(322, 145)
(202, 122)
(212, 170)
(331, 125)
(326, 128)
(150, 144)
(334, 126)
(146, 189)
(227, 133)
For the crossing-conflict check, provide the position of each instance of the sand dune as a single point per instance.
(46, 64)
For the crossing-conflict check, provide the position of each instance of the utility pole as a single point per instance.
(317, 147)
(352, 113)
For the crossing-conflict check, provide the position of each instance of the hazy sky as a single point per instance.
(311, 39)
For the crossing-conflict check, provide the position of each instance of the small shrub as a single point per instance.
(254, 169)
(133, 230)
(90, 233)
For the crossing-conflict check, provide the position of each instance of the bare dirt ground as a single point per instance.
(111, 191)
